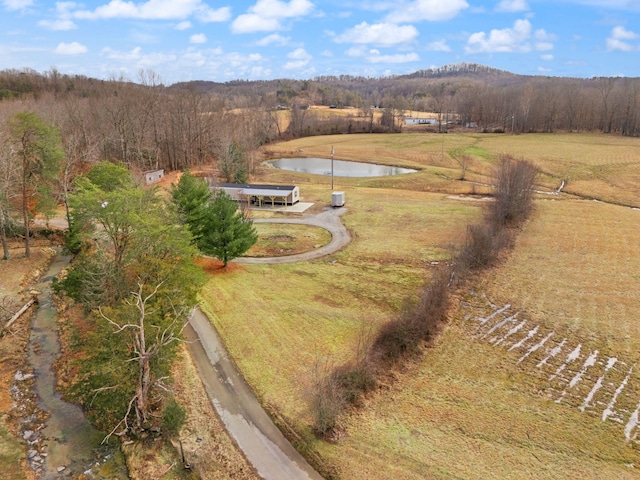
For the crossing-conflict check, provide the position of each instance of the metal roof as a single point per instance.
(264, 192)
(286, 188)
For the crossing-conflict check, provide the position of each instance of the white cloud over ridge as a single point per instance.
(619, 40)
(430, 10)
(519, 39)
(383, 34)
(267, 15)
(73, 48)
(395, 58)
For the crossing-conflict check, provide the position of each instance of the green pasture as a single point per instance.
(465, 409)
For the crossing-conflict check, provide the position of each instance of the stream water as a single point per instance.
(67, 445)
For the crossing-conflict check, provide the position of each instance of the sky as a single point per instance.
(223, 40)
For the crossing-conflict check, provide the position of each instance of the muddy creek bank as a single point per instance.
(65, 445)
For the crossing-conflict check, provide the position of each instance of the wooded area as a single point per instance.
(146, 125)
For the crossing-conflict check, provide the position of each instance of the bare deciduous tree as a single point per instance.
(147, 339)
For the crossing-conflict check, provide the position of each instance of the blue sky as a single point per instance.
(221, 40)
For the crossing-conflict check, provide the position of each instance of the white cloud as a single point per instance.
(300, 54)
(396, 58)
(17, 4)
(134, 54)
(59, 24)
(73, 48)
(136, 59)
(198, 38)
(210, 15)
(267, 15)
(254, 23)
(273, 39)
(383, 34)
(547, 57)
(155, 10)
(512, 6)
(520, 38)
(438, 46)
(431, 10)
(619, 40)
(300, 58)
(358, 51)
(185, 25)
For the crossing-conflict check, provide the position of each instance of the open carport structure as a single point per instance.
(261, 195)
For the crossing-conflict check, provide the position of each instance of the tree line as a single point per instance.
(135, 277)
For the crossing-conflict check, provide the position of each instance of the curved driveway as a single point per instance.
(264, 445)
(329, 219)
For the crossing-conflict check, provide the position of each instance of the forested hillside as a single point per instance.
(146, 124)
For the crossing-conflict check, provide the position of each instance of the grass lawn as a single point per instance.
(472, 406)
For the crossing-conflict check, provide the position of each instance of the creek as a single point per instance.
(67, 444)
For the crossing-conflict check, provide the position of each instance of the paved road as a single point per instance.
(261, 441)
(329, 219)
(263, 444)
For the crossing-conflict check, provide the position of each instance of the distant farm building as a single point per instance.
(261, 194)
(153, 176)
(420, 121)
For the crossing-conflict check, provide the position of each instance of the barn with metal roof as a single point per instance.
(261, 195)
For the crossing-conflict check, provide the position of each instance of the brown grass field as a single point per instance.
(490, 399)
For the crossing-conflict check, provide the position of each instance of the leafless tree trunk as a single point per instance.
(147, 342)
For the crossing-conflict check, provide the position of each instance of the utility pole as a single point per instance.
(332, 152)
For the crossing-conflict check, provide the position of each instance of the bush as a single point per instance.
(328, 399)
(513, 191)
(173, 417)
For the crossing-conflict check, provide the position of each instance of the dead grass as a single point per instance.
(575, 267)
(275, 240)
(467, 409)
(593, 165)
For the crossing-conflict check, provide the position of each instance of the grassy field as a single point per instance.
(490, 399)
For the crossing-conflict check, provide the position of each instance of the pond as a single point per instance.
(341, 168)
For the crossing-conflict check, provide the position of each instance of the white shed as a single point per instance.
(153, 176)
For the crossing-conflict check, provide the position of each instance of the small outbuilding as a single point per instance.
(420, 121)
(260, 195)
(153, 176)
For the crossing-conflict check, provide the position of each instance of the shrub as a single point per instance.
(328, 398)
(513, 191)
(173, 417)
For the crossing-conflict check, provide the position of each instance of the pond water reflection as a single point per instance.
(341, 168)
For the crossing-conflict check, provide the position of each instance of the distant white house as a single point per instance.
(153, 176)
(261, 194)
(420, 121)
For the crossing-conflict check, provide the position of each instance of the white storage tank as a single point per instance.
(337, 199)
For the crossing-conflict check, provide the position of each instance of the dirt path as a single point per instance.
(257, 436)
(329, 219)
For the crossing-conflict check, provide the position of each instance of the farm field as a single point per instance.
(534, 376)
